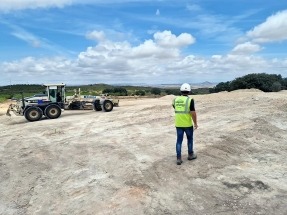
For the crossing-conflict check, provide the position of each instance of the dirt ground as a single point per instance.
(123, 162)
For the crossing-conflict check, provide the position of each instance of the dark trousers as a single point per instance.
(189, 134)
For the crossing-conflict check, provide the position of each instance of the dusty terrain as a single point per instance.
(123, 162)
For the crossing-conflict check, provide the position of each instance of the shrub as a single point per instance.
(118, 91)
(172, 91)
(155, 91)
(276, 86)
(140, 93)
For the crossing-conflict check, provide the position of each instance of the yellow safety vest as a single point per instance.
(182, 111)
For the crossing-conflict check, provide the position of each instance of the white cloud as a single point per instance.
(12, 5)
(246, 48)
(37, 70)
(8, 5)
(272, 30)
(165, 46)
(149, 49)
(216, 57)
(96, 35)
(152, 61)
(27, 37)
(167, 39)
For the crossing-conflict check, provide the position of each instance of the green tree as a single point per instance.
(155, 91)
(172, 91)
(284, 83)
(107, 91)
(140, 93)
(222, 86)
(276, 86)
(120, 91)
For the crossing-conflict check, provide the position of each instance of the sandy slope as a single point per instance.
(3, 107)
(123, 162)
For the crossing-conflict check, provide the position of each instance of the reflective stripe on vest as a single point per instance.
(186, 109)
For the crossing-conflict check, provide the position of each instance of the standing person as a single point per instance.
(185, 121)
(59, 97)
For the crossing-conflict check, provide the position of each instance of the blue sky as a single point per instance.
(140, 41)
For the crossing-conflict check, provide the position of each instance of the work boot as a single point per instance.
(179, 161)
(191, 156)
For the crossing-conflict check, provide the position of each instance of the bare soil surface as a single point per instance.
(3, 107)
(123, 162)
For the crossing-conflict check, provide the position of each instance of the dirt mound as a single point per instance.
(3, 107)
(246, 90)
(283, 91)
(168, 97)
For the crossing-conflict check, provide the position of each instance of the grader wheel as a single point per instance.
(33, 114)
(108, 105)
(53, 111)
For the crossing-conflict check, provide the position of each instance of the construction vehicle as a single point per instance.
(54, 101)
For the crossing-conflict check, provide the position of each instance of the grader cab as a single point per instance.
(54, 101)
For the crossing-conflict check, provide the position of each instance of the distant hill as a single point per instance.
(205, 84)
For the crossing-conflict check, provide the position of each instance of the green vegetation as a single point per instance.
(140, 93)
(117, 91)
(155, 91)
(261, 81)
(2, 98)
(14, 91)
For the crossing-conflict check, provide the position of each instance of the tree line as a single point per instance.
(261, 81)
(13, 91)
(121, 91)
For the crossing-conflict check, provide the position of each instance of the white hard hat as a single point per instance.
(185, 87)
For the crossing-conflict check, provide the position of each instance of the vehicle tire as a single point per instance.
(97, 105)
(108, 105)
(33, 114)
(53, 111)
